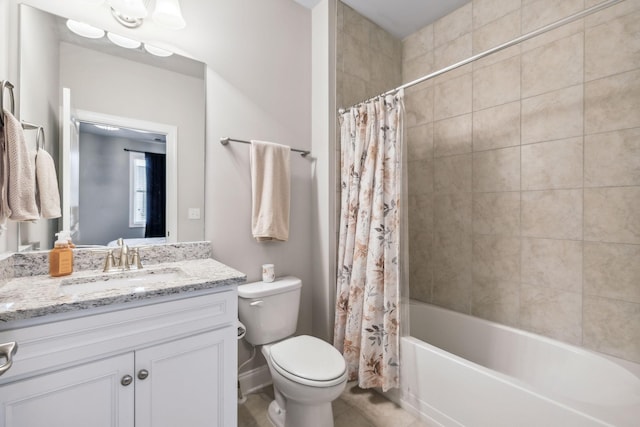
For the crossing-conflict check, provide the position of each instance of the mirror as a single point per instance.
(99, 83)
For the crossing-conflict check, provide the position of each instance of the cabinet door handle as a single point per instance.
(7, 350)
(142, 374)
(126, 380)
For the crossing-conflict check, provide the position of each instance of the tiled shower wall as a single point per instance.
(524, 170)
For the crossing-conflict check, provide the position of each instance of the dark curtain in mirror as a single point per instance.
(156, 200)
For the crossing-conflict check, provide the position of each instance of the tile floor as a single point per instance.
(355, 408)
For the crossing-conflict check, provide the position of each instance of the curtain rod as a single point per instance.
(144, 152)
(541, 30)
(226, 139)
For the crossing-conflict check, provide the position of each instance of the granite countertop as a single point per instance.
(41, 295)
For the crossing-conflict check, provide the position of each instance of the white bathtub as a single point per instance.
(458, 370)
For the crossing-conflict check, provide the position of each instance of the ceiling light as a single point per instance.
(84, 30)
(129, 13)
(157, 51)
(123, 41)
(168, 14)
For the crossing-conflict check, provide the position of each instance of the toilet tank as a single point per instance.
(269, 310)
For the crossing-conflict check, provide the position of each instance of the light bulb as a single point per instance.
(122, 41)
(84, 30)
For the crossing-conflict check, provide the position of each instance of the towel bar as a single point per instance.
(225, 141)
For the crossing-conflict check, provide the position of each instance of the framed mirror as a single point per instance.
(83, 88)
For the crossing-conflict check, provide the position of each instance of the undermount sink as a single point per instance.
(131, 281)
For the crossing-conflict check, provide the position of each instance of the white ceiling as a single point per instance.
(399, 17)
(404, 17)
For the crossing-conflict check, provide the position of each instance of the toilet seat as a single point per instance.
(309, 361)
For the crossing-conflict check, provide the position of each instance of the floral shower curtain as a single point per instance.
(368, 283)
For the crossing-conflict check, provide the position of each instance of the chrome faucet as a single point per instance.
(122, 262)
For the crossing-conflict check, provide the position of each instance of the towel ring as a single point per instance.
(40, 137)
(6, 84)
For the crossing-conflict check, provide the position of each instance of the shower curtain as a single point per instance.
(368, 280)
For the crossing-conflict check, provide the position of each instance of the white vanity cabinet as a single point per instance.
(169, 363)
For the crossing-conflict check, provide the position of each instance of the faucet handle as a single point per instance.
(109, 262)
(135, 259)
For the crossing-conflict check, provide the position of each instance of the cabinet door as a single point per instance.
(85, 395)
(191, 382)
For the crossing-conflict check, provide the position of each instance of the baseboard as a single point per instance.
(254, 379)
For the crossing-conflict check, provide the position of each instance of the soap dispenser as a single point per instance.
(61, 256)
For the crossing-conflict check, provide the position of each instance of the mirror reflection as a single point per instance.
(158, 105)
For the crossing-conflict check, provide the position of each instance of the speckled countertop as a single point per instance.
(25, 296)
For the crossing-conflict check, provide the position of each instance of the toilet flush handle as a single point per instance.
(257, 303)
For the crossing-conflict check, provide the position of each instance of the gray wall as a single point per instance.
(104, 188)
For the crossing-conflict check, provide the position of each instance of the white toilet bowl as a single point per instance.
(308, 374)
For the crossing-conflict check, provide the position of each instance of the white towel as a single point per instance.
(21, 182)
(270, 191)
(47, 180)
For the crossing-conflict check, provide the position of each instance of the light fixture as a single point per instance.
(157, 51)
(131, 13)
(84, 30)
(122, 41)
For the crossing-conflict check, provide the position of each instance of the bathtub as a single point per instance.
(458, 370)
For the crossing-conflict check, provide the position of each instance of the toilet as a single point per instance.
(308, 373)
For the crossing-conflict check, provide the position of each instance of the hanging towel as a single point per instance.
(47, 180)
(4, 180)
(21, 184)
(270, 190)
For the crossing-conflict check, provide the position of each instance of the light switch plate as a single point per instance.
(194, 213)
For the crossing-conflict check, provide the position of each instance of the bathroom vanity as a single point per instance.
(154, 347)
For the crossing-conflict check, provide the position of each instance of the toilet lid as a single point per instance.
(309, 358)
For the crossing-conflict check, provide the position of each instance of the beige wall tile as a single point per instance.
(452, 174)
(420, 176)
(612, 327)
(452, 271)
(496, 84)
(620, 9)
(496, 127)
(555, 264)
(554, 164)
(452, 52)
(553, 66)
(453, 97)
(356, 25)
(419, 106)
(612, 271)
(384, 43)
(612, 159)
(354, 90)
(556, 314)
(420, 265)
(496, 258)
(452, 136)
(452, 213)
(554, 115)
(612, 103)
(496, 213)
(357, 58)
(486, 11)
(497, 170)
(453, 25)
(497, 32)
(562, 32)
(554, 214)
(539, 13)
(613, 47)
(497, 301)
(420, 142)
(420, 212)
(418, 43)
(417, 67)
(612, 214)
